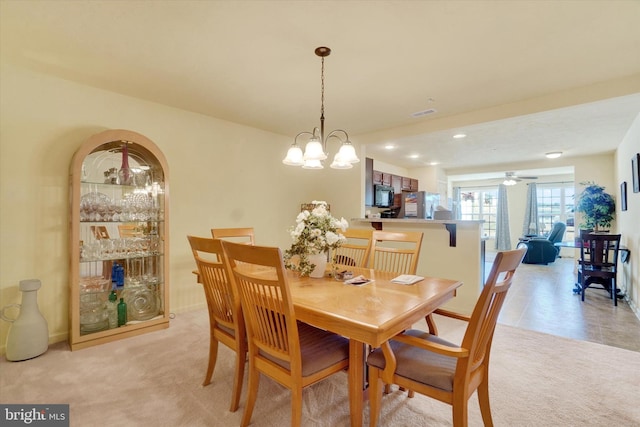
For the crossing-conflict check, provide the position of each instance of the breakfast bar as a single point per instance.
(463, 260)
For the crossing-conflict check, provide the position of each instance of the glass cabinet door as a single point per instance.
(118, 239)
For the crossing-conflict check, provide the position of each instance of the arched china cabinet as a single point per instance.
(119, 240)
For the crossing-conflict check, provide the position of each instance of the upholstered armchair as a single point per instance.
(541, 250)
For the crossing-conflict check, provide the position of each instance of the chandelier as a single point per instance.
(316, 149)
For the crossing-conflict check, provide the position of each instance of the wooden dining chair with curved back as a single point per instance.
(243, 234)
(226, 322)
(395, 251)
(292, 353)
(423, 362)
(355, 252)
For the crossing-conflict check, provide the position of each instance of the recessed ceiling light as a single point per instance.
(389, 146)
(414, 156)
(459, 136)
(553, 154)
(434, 163)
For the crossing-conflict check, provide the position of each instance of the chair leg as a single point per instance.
(213, 356)
(241, 358)
(387, 388)
(375, 396)
(483, 398)
(459, 409)
(614, 291)
(431, 323)
(296, 406)
(254, 382)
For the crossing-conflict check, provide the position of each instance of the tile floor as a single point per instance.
(541, 299)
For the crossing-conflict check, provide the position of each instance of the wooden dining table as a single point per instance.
(366, 314)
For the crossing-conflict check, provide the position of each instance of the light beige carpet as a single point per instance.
(154, 380)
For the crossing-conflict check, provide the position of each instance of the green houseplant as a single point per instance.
(597, 206)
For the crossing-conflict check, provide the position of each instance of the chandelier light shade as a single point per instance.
(315, 150)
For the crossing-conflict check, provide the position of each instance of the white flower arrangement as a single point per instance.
(315, 232)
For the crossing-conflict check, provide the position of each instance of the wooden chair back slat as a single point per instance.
(355, 252)
(240, 235)
(396, 252)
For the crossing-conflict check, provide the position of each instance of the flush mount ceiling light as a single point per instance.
(553, 154)
(459, 136)
(316, 149)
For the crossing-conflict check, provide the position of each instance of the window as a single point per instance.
(480, 204)
(556, 203)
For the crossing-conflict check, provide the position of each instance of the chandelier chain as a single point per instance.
(322, 89)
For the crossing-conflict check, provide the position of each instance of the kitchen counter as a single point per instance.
(450, 224)
(417, 221)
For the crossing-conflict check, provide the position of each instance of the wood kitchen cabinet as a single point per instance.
(406, 183)
(386, 178)
(396, 183)
(377, 177)
(381, 178)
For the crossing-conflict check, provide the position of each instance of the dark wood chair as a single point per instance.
(598, 263)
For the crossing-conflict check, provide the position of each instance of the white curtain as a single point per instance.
(456, 213)
(530, 224)
(503, 238)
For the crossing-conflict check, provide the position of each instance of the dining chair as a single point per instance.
(244, 234)
(395, 251)
(226, 323)
(292, 353)
(598, 263)
(423, 362)
(355, 252)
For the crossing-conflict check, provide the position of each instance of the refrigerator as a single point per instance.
(418, 204)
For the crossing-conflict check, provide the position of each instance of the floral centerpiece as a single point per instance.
(315, 232)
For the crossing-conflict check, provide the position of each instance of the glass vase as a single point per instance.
(125, 174)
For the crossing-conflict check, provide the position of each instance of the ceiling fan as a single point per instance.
(510, 178)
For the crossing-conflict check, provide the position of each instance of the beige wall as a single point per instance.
(221, 174)
(629, 221)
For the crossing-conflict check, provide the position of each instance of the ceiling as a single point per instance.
(519, 78)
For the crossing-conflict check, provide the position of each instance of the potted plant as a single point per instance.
(597, 206)
(315, 233)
